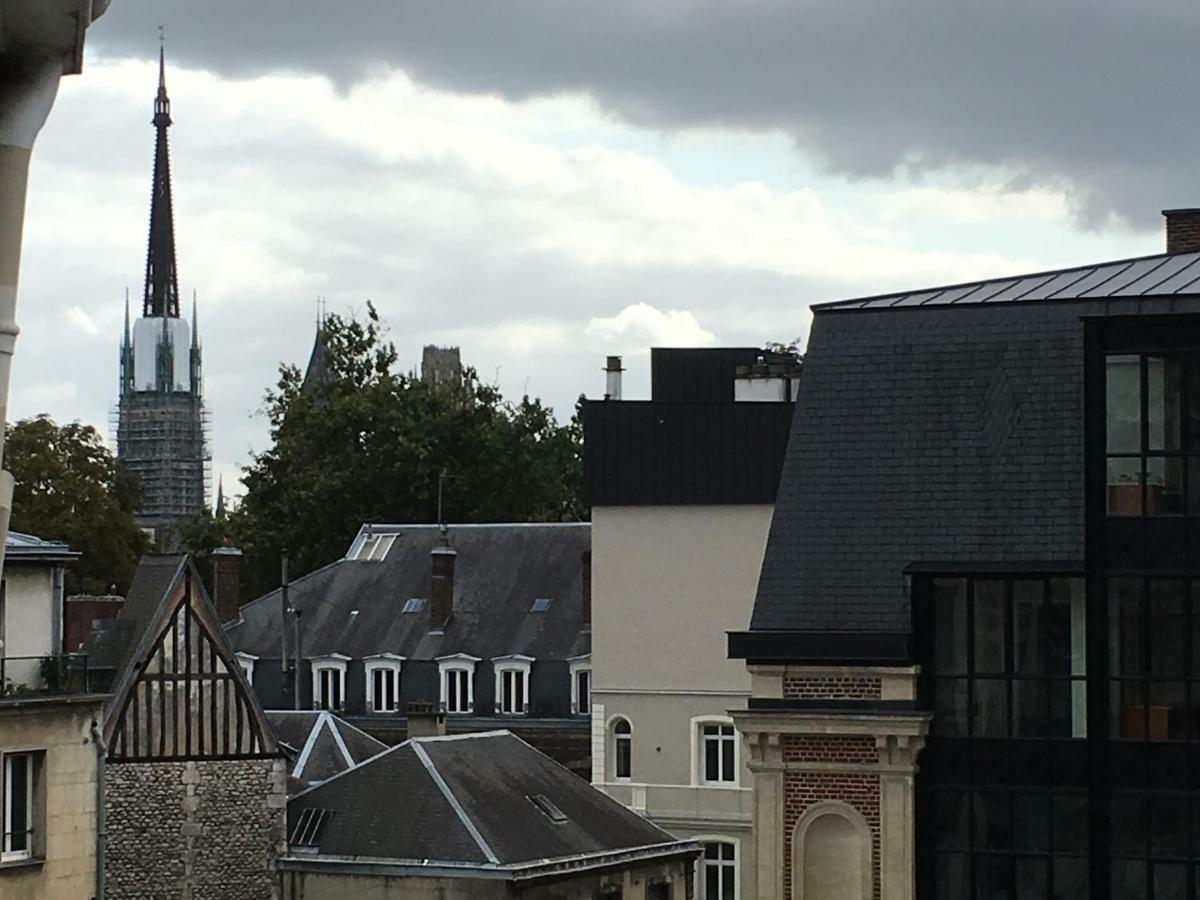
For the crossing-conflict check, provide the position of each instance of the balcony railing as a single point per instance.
(24, 677)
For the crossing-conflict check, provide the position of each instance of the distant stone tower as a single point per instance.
(441, 365)
(160, 415)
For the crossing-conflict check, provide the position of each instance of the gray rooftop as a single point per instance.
(319, 745)
(1161, 275)
(355, 608)
(465, 800)
(20, 547)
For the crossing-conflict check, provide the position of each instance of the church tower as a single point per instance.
(160, 415)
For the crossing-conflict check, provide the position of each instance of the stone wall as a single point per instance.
(207, 830)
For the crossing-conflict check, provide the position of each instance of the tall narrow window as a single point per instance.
(720, 871)
(622, 750)
(512, 685)
(719, 745)
(458, 683)
(329, 682)
(18, 807)
(383, 683)
(581, 685)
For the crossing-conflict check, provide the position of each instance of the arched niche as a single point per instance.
(831, 854)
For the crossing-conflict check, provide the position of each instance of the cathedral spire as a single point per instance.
(161, 296)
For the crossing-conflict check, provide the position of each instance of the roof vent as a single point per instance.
(548, 808)
(309, 827)
(541, 604)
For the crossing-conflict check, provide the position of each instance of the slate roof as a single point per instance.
(20, 547)
(319, 745)
(943, 426)
(1160, 275)
(465, 801)
(499, 571)
(111, 645)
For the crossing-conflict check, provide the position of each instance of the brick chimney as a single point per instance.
(227, 573)
(441, 588)
(425, 720)
(1183, 230)
(587, 588)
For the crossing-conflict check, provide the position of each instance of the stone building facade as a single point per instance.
(204, 830)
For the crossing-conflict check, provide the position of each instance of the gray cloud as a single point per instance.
(1092, 97)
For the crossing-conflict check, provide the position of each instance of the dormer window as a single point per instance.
(458, 683)
(383, 682)
(329, 681)
(512, 685)
(371, 546)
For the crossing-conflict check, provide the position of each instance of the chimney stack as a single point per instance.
(612, 378)
(587, 588)
(425, 720)
(441, 588)
(227, 574)
(1183, 230)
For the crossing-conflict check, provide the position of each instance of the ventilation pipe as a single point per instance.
(612, 378)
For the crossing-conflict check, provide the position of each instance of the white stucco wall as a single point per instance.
(29, 618)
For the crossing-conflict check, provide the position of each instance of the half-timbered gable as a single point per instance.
(183, 695)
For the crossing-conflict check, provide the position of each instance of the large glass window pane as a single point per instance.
(990, 708)
(951, 823)
(1168, 826)
(1031, 821)
(950, 707)
(1070, 879)
(1167, 711)
(1128, 823)
(1030, 622)
(1164, 406)
(1125, 625)
(1130, 880)
(1029, 707)
(1069, 822)
(1164, 486)
(991, 828)
(1170, 881)
(1125, 486)
(1123, 404)
(990, 626)
(950, 625)
(1168, 627)
(993, 877)
(1031, 877)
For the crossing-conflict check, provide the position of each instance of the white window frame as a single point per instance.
(382, 662)
(7, 760)
(581, 664)
(458, 662)
(247, 661)
(372, 545)
(702, 864)
(514, 663)
(612, 746)
(698, 742)
(334, 662)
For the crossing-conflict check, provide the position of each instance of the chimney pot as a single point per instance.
(227, 574)
(612, 380)
(441, 588)
(1183, 230)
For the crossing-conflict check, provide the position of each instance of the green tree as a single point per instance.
(368, 444)
(69, 487)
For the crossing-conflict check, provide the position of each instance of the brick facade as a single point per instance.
(207, 830)
(802, 789)
(832, 687)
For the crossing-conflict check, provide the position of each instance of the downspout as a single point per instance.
(101, 812)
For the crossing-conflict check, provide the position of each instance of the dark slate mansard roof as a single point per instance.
(499, 571)
(466, 805)
(936, 428)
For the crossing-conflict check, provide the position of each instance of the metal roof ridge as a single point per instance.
(980, 282)
(453, 801)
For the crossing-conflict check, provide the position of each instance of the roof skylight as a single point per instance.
(548, 808)
(413, 605)
(541, 604)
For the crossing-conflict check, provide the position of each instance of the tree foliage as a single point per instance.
(368, 444)
(69, 487)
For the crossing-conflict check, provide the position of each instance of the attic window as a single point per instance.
(541, 604)
(373, 547)
(548, 808)
(309, 827)
(413, 605)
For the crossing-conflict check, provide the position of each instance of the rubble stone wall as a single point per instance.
(197, 830)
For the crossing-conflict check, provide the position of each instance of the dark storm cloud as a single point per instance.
(1097, 97)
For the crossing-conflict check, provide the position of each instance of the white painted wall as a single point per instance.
(30, 616)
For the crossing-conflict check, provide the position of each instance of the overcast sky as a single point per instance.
(544, 183)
